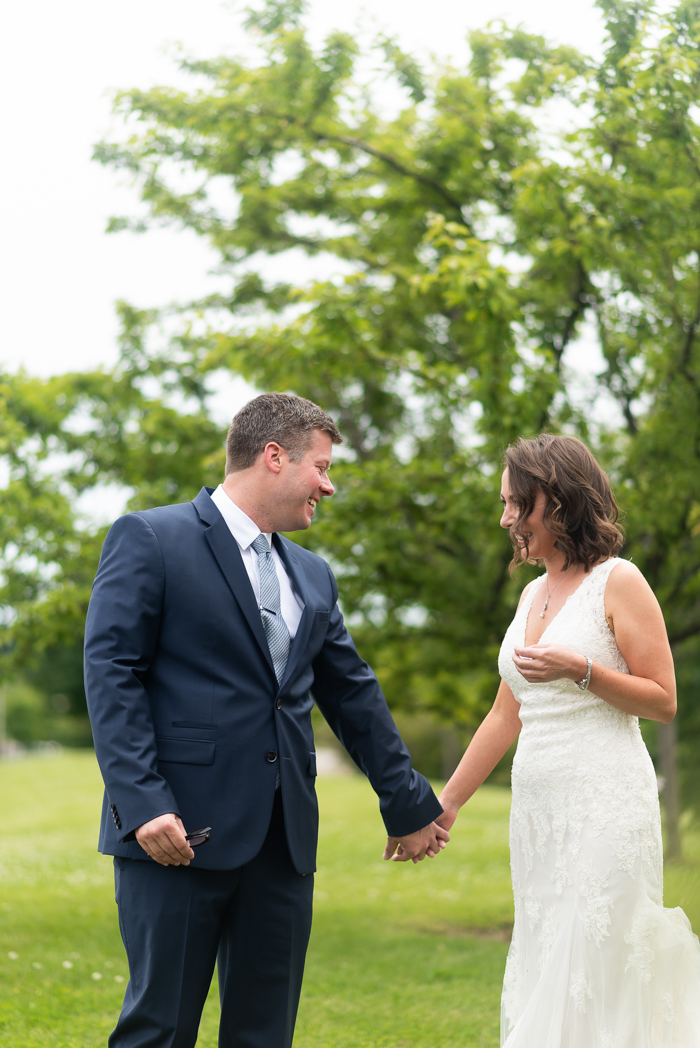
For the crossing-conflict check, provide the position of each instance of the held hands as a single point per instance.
(164, 840)
(540, 663)
(415, 846)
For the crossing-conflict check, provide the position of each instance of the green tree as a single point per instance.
(474, 244)
(417, 350)
(59, 438)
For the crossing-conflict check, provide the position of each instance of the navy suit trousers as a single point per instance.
(177, 921)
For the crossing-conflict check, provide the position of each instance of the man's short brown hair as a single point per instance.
(284, 418)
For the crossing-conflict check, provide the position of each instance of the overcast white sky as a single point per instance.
(59, 272)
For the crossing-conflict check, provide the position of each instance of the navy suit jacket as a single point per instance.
(186, 712)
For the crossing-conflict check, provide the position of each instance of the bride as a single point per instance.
(595, 960)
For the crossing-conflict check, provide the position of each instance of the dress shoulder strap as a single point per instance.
(607, 565)
(598, 580)
(601, 572)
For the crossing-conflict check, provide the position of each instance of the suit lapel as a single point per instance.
(298, 580)
(228, 556)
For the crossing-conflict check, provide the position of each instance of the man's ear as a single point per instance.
(275, 456)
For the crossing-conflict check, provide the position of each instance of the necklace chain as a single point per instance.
(542, 613)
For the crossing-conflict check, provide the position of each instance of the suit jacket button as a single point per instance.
(278, 704)
(270, 756)
(118, 823)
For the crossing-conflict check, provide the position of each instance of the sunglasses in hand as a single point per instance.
(198, 837)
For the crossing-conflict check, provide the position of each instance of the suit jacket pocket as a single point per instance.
(185, 751)
(199, 725)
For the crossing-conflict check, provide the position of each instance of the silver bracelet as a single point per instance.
(583, 684)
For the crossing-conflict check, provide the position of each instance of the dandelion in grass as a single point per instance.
(119, 978)
(12, 955)
(35, 964)
(66, 964)
(96, 976)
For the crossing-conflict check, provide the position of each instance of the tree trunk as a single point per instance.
(671, 792)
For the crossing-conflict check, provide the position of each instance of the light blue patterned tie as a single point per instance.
(271, 609)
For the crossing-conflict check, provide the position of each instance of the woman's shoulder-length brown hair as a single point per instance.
(580, 508)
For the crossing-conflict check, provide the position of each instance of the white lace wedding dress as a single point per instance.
(596, 961)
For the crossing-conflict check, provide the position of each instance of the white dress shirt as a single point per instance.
(245, 531)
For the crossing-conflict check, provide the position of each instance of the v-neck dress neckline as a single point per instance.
(586, 579)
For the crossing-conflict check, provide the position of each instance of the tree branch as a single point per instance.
(392, 161)
(572, 319)
(684, 634)
(575, 314)
(688, 343)
(680, 582)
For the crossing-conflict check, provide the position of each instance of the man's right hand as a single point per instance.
(164, 840)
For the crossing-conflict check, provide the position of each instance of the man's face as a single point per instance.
(304, 484)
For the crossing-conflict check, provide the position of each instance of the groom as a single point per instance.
(207, 635)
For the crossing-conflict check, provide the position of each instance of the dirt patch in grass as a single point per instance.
(494, 933)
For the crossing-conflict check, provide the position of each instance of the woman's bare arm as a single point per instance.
(494, 736)
(492, 740)
(634, 615)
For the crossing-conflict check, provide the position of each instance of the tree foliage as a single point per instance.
(474, 245)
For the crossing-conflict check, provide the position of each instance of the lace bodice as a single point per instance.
(580, 625)
(572, 743)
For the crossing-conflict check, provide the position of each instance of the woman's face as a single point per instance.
(541, 541)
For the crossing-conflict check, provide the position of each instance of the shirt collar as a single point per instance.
(244, 530)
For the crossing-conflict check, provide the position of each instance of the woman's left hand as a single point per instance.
(540, 663)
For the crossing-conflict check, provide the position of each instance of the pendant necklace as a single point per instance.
(550, 594)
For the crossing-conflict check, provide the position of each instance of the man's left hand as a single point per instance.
(415, 846)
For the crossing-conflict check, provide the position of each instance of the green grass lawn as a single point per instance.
(401, 956)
